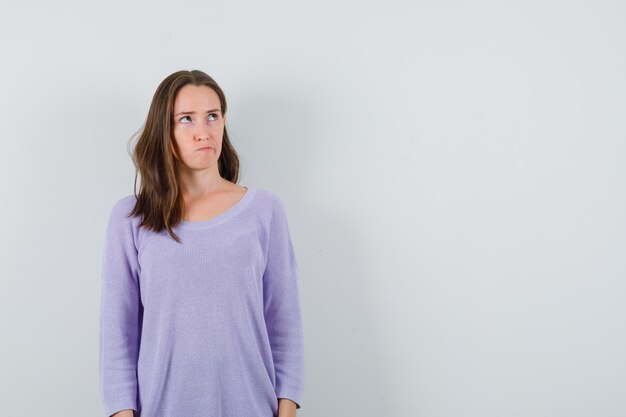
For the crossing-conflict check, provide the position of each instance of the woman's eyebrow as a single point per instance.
(193, 112)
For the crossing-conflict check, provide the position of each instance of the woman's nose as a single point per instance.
(202, 133)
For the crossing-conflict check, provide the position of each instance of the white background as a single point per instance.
(454, 175)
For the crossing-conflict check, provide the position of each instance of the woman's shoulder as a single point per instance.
(125, 202)
(270, 206)
(268, 198)
(122, 207)
(265, 201)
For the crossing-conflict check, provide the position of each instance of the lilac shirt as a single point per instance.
(209, 327)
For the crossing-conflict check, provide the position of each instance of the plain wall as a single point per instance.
(454, 176)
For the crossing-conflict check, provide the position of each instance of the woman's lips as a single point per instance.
(207, 148)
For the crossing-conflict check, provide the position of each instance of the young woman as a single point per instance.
(200, 311)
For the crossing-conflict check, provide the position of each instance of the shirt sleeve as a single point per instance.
(120, 314)
(282, 309)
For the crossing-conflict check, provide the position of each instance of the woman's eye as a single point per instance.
(212, 117)
(185, 119)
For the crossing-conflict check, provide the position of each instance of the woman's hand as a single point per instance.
(127, 413)
(286, 408)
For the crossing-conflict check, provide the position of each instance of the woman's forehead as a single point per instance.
(196, 97)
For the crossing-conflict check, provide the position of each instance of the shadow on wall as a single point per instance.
(345, 367)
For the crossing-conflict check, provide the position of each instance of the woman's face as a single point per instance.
(198, 126)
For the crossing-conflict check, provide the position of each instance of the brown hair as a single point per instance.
(160, 200)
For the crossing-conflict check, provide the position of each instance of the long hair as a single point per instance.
(160, 200)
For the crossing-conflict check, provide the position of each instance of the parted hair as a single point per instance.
(159, 200)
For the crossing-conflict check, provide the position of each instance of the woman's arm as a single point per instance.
(281, 301)
(120, 313)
